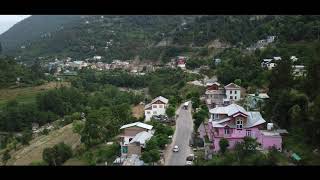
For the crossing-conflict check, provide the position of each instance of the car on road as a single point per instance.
(190, 157)
(175, 148)
(189, 163)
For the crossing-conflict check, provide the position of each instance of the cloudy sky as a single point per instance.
(7, 21)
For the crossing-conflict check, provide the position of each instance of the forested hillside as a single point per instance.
(147, 37)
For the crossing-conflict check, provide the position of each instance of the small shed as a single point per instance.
(296, 157)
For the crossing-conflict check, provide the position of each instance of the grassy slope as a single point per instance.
(33, 152)
(26, 94)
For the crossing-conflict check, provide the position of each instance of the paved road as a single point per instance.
(184, 128)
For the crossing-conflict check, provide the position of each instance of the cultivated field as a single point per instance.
(33, 152)
(27, 94)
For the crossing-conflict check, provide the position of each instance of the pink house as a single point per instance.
(234, 123)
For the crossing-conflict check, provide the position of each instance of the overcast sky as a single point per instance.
(7, 21)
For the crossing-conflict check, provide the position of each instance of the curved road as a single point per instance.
(182, 135)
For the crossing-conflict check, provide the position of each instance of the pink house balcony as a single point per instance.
(235, 133)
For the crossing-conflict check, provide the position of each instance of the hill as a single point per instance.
(33, 28)
(147, 37)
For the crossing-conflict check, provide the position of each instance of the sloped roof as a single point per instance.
(261, 95)
(160, 98)
(229, 110)
(210, 84)
(142, 137)
(232, 86)
(139, 124)
(254, 119)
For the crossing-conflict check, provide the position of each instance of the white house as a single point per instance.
(157, 106)
(299, 70)
(277, 58)
(293, 58)
(97, 57)
(270, 66)
(270, 39)
(233, 92)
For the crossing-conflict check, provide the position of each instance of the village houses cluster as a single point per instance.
(298, 69)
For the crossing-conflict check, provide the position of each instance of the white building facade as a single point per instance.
(157, 106)
(233, 92)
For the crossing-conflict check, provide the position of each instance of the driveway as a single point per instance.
(182, 135)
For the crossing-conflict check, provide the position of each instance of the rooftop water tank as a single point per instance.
(270, 126)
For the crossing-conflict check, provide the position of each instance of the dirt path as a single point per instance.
(33, 152)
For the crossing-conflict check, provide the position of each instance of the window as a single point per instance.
(230, 92)
(148, 112)
(216, 116)
(160, 106)
(154, 112)
(154, 106)
(248, 133)
(239, 124)
(226, 131)
(235, 92)
(235, 97)
(231, 97)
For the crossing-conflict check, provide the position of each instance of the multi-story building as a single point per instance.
(234, 123)
(157, 106)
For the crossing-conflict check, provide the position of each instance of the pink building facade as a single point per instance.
(234, 123)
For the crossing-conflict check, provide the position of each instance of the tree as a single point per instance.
(224, 144)
(162, 140)
(6, 156)
(195, 102)
(151, 156)
(49, 156)
(170, 111)
(26, 137)
(57, 155)
(238, 82)
(152, 144)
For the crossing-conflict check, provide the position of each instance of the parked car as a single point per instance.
(190, 157)
(162, 118)
(175, 148)
(189, 163)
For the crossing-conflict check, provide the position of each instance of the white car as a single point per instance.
(189, 163)
(175, 148)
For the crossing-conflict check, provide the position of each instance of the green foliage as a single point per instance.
(223, 143)
(195, 102)
(101, 154)
(77, 126)
(235, 63)
(161, 128)
(10, 70)
(152, 144)
(162, 140)
(61, 101)
(6, 156)
(170, 111)
(151, 156)
(38, 163)
(57, 155)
